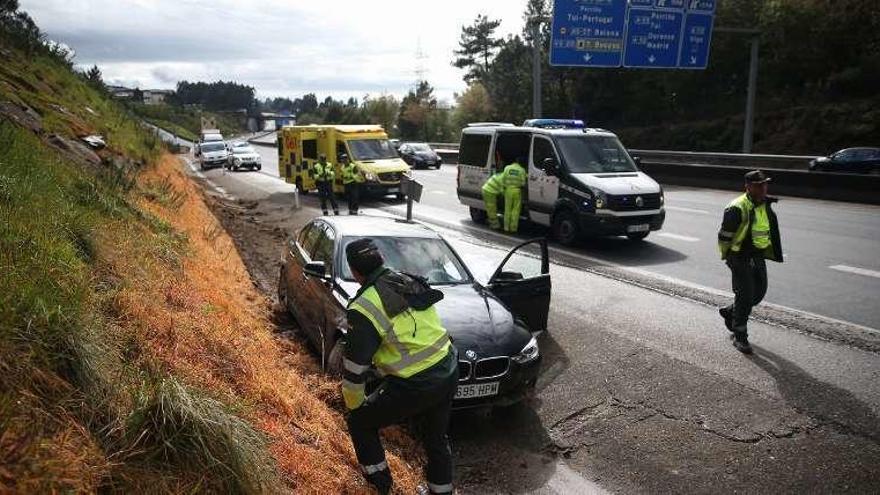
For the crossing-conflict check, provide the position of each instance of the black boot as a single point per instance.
(727, 314)
(741, 342)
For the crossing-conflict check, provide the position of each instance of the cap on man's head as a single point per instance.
(363, 256)
(756, 177)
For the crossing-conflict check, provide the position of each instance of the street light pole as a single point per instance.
(536, 71)
(749, 125)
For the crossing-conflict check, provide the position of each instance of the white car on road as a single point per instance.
(212, 154)
(243, 155)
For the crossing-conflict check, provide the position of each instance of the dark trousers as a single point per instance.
(749, 276)
(394, 402)
(353, 194)
(325, 192)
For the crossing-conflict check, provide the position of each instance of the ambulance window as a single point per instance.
(310, 149)
(340, 150)
(474, 149)
(542, 149)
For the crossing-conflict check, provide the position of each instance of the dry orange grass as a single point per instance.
(205, 323)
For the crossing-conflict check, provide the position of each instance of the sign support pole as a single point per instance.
(536, 71)
(749, 130)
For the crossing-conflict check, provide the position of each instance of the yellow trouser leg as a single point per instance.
(512, 208)
(491, 200)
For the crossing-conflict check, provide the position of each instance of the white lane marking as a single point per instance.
(856, 270)
(688, 210)
(678, 237)
(439, 192)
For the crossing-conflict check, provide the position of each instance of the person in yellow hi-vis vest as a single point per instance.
(352, 178)
(394, 327)
(513, 179)
(749, 235)
(491, 189)
(324, 176)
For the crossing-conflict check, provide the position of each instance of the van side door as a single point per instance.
(543, 184)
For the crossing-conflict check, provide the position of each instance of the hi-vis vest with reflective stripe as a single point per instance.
(351, 174)
(412, 341)
(732, 241)
(495, 184)
(324, 172)
(514, 175)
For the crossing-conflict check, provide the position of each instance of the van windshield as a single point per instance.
(594, 155)
(371, 149)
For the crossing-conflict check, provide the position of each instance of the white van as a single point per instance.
(582, 182)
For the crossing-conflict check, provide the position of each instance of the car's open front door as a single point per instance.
(522, 282)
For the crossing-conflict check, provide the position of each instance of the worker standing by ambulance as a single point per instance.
(513, 179)
(324, 176)
(491, 189)
(351, 179)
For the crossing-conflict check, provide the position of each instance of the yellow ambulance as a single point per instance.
(367, 146)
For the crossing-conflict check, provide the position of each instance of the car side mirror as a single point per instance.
(550, 167)
(316, 269)
(638, 161)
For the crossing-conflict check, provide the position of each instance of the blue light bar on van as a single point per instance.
(555, 123)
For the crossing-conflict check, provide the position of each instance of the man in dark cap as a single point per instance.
(749, 235)
(394, 327)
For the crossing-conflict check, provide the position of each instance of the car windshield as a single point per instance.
(213, 147)
(371, 149)
(594, 154)
(242, 149)
(425, 257)
(420, 147)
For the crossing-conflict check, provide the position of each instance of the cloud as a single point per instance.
(282, 48)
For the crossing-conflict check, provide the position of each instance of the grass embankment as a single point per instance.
(187, 123)
(135, 353)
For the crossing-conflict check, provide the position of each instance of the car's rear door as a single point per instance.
(522, 282)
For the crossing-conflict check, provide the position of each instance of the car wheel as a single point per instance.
(565, 228)
(334, 359)
(299, 186)
(282, 290)
(478, 215)
(259, 167)
(637, 236)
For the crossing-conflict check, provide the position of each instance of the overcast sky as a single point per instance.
(339, 48)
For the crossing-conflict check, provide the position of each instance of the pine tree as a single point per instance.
(477, 47)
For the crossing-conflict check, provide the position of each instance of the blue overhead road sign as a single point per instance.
(632, 33)
(695, 41)
(588, 33)
(653, 38)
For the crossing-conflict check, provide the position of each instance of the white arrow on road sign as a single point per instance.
(651, 59)
(587, 57)
(693, 60)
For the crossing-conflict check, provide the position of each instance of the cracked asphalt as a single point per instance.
(641, 390)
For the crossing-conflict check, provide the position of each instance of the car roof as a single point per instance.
(376, 226)
(590, 131)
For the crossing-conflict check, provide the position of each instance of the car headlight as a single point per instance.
(600, 199)
(662, 197)
(528, 353)
(370, 176)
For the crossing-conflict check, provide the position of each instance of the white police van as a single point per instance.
(582, 182)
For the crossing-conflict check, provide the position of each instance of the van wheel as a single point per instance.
(478, 215)
(565, 227)
(299, 186)
(637, 236)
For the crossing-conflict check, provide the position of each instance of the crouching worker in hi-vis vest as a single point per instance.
(394, 326)
(491, 189)
(513, 178)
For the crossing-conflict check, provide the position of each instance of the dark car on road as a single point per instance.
(419, 155)
(852, 160)
(491, 325)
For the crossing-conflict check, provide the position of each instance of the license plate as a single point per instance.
(476, 390)
(642, 227)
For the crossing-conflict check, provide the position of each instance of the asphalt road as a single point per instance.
(640, 391)
(831, 267)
